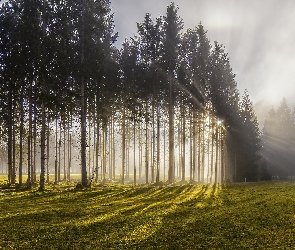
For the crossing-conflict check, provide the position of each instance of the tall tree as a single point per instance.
(251, 141)
(170, 50)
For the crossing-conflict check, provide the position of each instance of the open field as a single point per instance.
(236, 216)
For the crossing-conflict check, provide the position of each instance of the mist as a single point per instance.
(257, 35)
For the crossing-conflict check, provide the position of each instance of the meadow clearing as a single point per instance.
(233, 216)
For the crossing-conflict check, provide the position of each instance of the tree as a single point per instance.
(251, 141)
(170, 50)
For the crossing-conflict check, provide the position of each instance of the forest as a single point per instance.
(164, 107)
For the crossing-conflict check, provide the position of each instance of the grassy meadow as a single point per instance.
(234, 216)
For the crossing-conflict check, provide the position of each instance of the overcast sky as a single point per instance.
(258, 35)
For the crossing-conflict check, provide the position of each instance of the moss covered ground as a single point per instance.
(235, 216)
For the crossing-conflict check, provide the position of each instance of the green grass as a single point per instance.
(236, 216)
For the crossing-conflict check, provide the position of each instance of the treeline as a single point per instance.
(164, 90)
(279, 142)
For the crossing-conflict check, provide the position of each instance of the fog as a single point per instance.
(258, 36)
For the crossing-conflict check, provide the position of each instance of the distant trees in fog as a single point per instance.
(279, 141)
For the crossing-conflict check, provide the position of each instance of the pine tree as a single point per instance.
(171, 45)
(250, 141)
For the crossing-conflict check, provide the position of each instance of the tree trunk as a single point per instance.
(216, 155)
(194, 145)
(183, 145)
(34, 144)
(140, 150)
(10, 127)
(56, 145)
(158, 145)
(146, 144)
(123, 144)
(171, 170)
(191, 146)
(134, 151)
(59, 153)
(21, 133)
(64, 148)
(47, 158)
(212, 152)
(83, 104)
(153, 143)
(43, 134)
(29, 180)
(97, 145)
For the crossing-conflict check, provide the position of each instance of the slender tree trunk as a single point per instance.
(146, 145)
(191, 146)
(56, 145)
(29, 180)
(13, 127)
(47, 158)
(97, 145)
(83, 103)
(21, 134)
(208, 148)
(134, 151)
(10, 128)
(59, 151)
(194, 145)
(153, 142)
(110, 149)
(69, 147)
(43, 114)
(164, 152)
(140, 150)
(43, 135)
(199, 149)
(34, 144)
(212, 152)
(127, 149)
(216, 155)
(123, 144)
(158, 145)
(203, 149)
(179, 166)
(183, 145)
(171, 170)
(114, 149)
(64, 148)
(104, 146)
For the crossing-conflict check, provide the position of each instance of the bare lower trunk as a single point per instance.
(21, 133)
(183, 146)
(146, 145)
(171, 169)
(123, 145)
(43, 135)
(158, 145)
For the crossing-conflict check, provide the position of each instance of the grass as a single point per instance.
(236, 216)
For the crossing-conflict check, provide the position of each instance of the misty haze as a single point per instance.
(147, 124)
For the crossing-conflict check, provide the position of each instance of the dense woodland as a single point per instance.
(163, 107)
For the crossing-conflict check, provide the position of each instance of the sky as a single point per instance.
(259, 37)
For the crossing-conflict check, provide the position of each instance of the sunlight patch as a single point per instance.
(144, 231)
